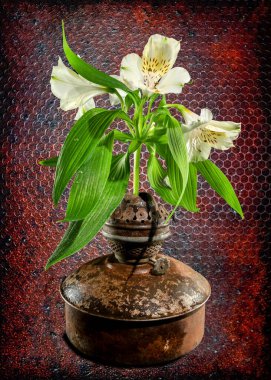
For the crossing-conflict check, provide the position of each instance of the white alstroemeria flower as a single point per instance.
(203, 133)
(153, 73)
(73, 90)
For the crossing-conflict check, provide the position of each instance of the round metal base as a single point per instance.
(134, 343)
(135, 314)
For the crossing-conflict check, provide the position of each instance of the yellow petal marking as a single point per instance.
(153, 69)
(210, 137)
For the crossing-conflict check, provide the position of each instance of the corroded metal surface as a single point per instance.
(137, 228)
(134, 343)
(138, 219)
(226, 48)
(121, 291)
(135, 292)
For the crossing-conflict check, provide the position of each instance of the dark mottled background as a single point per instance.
(226, 48)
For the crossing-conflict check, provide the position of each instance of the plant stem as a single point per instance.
(136, 170)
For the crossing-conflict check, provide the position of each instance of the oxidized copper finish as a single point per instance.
(137, 228)
(134, 343)
(106, 288)
(136, 308)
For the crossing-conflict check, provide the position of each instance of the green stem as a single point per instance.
(137, 154)
(171, 214)
(151, 101)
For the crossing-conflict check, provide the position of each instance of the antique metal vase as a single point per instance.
(135, 306)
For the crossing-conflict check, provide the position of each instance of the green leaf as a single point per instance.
(121, 136)
(52, 161)
(189, 197)
(220, 183)
(157, 135)
(131, 97)
(177, 147)
(188, 200)
(88, 71)
(156, 177)
(177, 106)
(163, 101)
(135, 144)
(90, 181)
(120, 166)
(79, 144)
(81, 232)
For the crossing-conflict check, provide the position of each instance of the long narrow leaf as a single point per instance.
(120, 166)
(220, 183)
(79, 144)
(81, 232)
(121, 136)
(177, 146)
(52, 161)
(90, 181)
(178, 150)
(189, 197)
(156, 176)
(88, 71)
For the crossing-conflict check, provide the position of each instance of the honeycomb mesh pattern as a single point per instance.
(226, 49)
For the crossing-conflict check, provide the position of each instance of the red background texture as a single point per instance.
(226, 48)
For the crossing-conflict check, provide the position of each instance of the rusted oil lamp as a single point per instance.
(135, 306)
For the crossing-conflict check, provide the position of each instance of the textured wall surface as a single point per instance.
(226, 49)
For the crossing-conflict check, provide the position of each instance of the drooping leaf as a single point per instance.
(81, 232)
(90, 180)
(220, 183)
(79, 144)
(188, 200)
(120, 167)
(88, 71)
(156, 176)
(177, 147)
(52, 161)
(121, 136)
(177, 106)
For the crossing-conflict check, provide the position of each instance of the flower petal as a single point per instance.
(72, 89)
(114, 100)
(202, 133)
(84, 108)
(197, 150)
(173, 81)
(221, 126)
(160, 54)
(201, 139)
(191, 118)
(206, 115)
(222, 133)
(130, 72)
